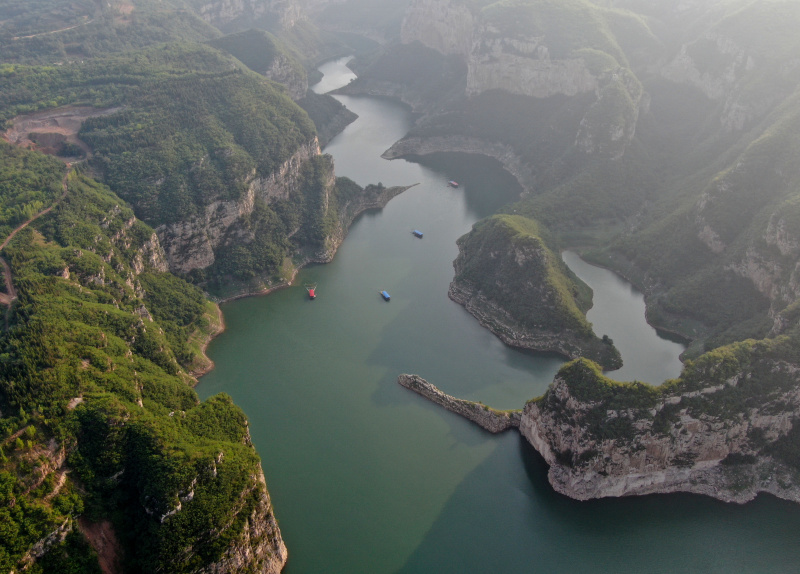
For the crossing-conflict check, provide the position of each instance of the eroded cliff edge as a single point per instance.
(727, 428)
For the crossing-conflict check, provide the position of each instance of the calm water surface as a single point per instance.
(367, 477)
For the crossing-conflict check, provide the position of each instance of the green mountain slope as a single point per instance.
(92, 371)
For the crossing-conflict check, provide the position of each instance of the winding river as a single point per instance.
(367, 477)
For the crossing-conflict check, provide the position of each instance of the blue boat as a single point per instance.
(417, 233)
(385, 295)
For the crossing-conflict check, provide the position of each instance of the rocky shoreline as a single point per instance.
(505, 154)
(487, 418)
(491, 317)
(662, 450)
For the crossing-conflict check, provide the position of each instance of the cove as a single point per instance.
(368, 477)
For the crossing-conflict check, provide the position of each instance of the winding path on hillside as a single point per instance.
(53, 31)
(11, 293)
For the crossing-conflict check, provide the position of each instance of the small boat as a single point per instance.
(385, 295)
(417, 233)
(452, 183)
(312, 290)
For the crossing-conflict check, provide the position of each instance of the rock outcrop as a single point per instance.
(533, 62)
(259, 547)
(191, 244)
(505, 154)
(607, 439)
(371, 197)
(487, 418)
(446, 26)
(221, 13)
(727, 429)
(284, 72)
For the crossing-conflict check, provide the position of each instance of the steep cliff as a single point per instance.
(733, 63)
(533, 50)
(94, 391)
(225, 14)
(510, 280)
(263, 53)
(191, 244)
(727, 428)
(259, 546)
(444, 26)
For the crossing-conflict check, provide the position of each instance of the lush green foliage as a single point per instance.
(733, 379)
(95, 322)
(327, 113)
(28, 183)
(258, 50)
(540, 294)
(49, 31)
(537, 290)
(193, 128)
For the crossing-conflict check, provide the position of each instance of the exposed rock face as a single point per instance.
(222, 12)
(485, 417)
(677, 441)
(523, 66)
(191, 244)
(43, 546)
(500, 322)
(260, 546)
(282, 71)
(373, 197)
(444, 25)
(505, 154)
(718, 82)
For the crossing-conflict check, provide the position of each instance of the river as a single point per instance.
(368, 477)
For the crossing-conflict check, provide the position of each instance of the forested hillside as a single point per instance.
(100, 431)
(98, 418)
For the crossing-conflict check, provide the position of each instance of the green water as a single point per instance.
(367, 477)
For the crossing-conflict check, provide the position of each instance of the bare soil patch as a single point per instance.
(103, 539)
(47, 131)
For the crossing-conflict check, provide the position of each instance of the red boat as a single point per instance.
(452, 183)
(312, 291)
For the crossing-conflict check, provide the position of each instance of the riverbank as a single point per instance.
(378, 198)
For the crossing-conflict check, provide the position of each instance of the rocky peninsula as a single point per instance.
(487, 418)
(517, 287)
(726, 428)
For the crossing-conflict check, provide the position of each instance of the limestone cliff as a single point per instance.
(724, 430)
(748, 73)
(508, 278)
(259, 547)
(283, 71)
(446, 26)
(222, 13)
(191, 244)
(728, 428)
